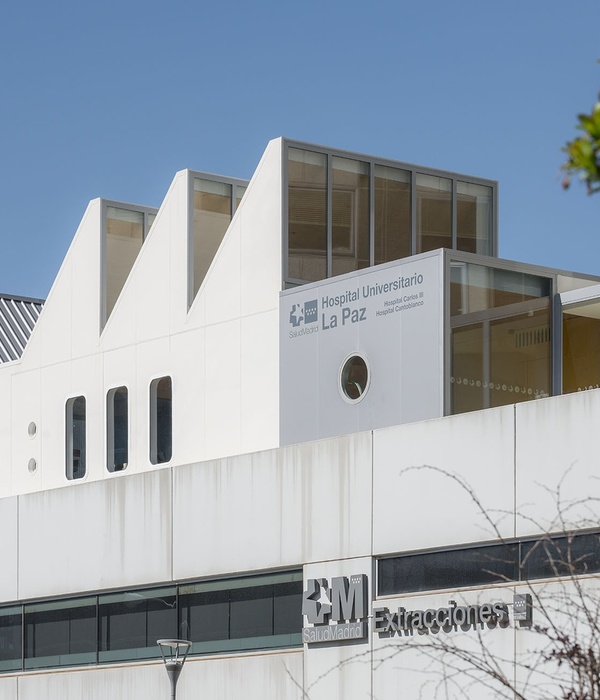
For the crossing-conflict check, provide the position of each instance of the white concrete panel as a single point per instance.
(431, 665)
(8, 549)
(221, 286)
(390, 315)
(86, 285)
(416, 501)
(223, 381)
(6, 430)
(54, 323)
(86, 380)
(557, 449)
(121, 328)
(259, 400)
(9, 688)
(339, 670)
(26, 394)
(187, 350)
(153, 359)
(56, 386)
(112, 533)
(271, 509)
(153, 285)
(174, 211)
(261, 234)
(144, 300)
(252, 677)
(75, 290)
(119, 369)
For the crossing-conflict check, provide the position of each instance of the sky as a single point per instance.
(111, 99)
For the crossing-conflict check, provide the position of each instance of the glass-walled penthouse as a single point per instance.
(345, 212)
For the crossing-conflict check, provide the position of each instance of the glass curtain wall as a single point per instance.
(213, 202)
(349, 216)
(10, 638)
(392, 214)
(212, 216)
(581, 347)
(434, 212)
(346, 214)
(500, 337)
(474, 218)
(60, 633)
(307, 215)
(124, 239)
(256, 612)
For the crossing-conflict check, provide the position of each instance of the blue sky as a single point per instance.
(111, 99)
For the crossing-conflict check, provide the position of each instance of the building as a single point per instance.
(232, 409)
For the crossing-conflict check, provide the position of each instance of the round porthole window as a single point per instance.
(32, 429)
(32, 466)
(354, 378)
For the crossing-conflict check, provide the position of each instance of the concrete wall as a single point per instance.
(222, 353)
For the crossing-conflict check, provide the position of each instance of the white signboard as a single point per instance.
(391, 318)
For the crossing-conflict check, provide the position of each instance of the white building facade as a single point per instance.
(265, 399)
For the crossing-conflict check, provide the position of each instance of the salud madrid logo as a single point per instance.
(336, 612)
(304, 313)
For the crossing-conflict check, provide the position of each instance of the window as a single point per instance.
(124, 239)
(10, 638)
(245, 613)
(117, 430)
(434, 212)
(501, 337)
(130, 623)
(392, 214)
(253, 612)
(125, 229)
(548, 556)
(350, 248)
(474, 217)
(345, 214)
(75, 438)
(161, 420)
(581, 347)
(60, 633)
(212, 216)
(478, 566)
(354, 378)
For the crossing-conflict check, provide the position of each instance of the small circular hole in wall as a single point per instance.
(354, 378)
(32, 466)
(32, 429)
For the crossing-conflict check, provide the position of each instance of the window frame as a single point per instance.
(70, 470)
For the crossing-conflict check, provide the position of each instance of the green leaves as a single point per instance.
(583, 153)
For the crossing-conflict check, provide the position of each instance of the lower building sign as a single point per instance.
(336, 612)
(451, 618)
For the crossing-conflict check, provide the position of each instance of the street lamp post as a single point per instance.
(174, 653)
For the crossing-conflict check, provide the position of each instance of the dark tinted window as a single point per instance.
(205, 616)
(161, 420)
(561, 556)
(449, 569)
(251, 612)
(130, 623)
(76, 438)
(59, 634)
(10, 638)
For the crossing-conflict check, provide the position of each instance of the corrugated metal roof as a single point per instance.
(18, 316)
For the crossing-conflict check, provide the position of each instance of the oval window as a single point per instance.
(354, 378)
